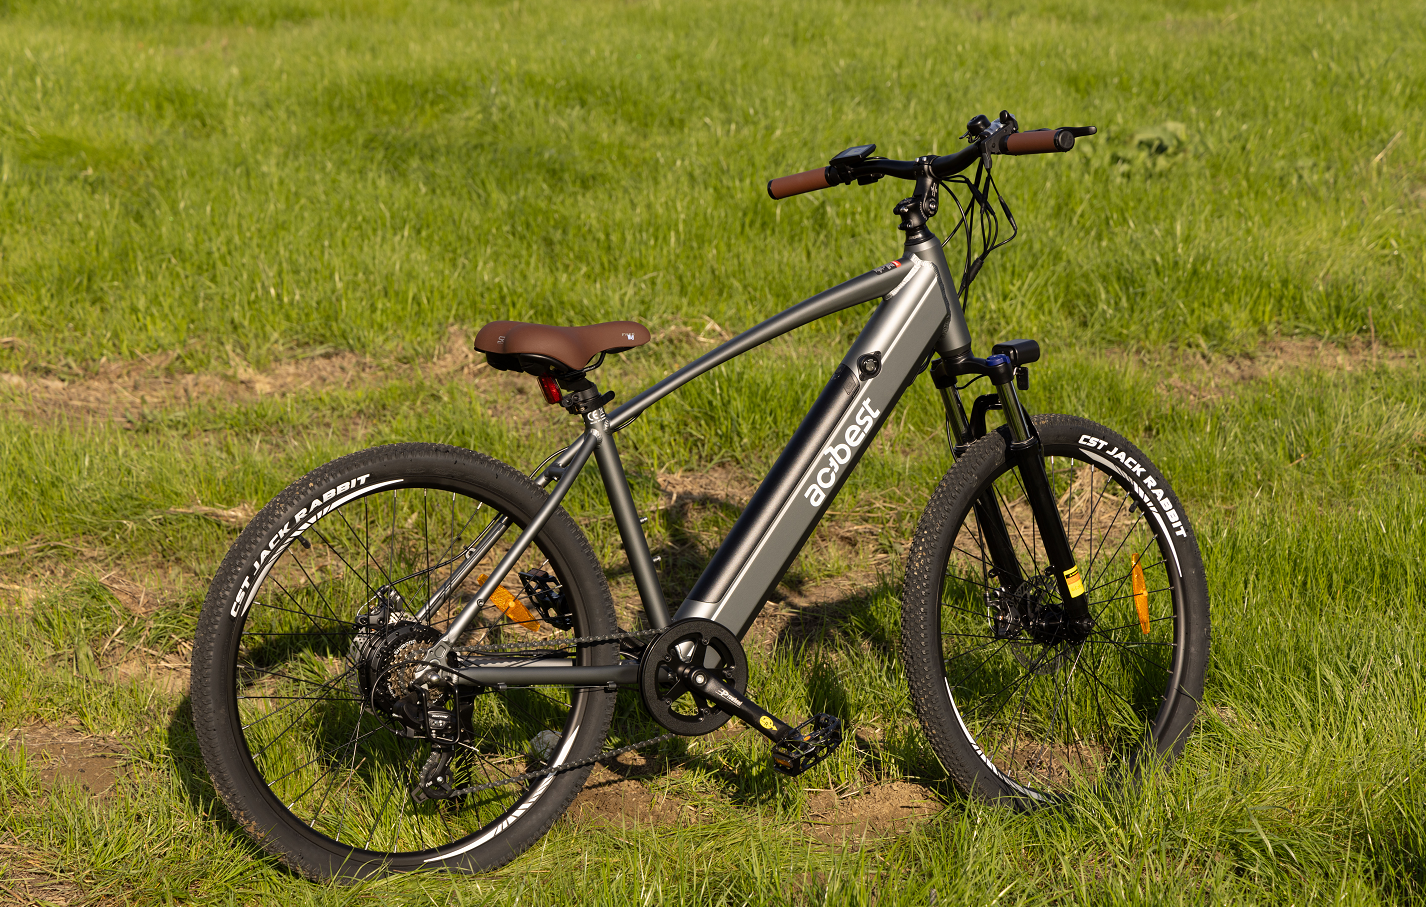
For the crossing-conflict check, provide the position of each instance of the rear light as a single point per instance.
(550, 389)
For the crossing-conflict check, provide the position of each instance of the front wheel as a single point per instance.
(1017, 709)
(311, 635)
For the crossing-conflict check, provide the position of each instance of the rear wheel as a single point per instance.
(1013, 706)
(313, 629)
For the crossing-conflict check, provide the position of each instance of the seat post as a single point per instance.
(579, 393)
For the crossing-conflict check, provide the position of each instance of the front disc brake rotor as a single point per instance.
(691, 643)
(1041, 650)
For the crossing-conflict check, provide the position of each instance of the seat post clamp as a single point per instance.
(586, 401)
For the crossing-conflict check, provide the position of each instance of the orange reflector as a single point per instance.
(510, 606)
(1141, 596)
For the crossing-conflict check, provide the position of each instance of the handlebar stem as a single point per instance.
(923, 203)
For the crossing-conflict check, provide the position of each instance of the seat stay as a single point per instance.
(572, 462)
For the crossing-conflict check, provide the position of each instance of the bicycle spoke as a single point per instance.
(315, 700)
(1052, 715)
(316, 758)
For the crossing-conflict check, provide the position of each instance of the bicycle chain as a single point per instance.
(561, 768)
(619, 636)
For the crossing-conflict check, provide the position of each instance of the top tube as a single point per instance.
(871, 285)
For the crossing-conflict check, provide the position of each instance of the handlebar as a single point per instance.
(1041, 141)
(848, 167)
(798, 183)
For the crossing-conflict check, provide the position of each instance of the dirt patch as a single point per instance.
(17, 598)
(168, 673)
(117, 657)
(142, 584)
(1203, 378)
(135, 391)
(67, 754)
(873, 812)
(613, 796)
(796, 617)
(802, 609)
(720, 484)
(25, 881)
(143, 591)
(43, 565)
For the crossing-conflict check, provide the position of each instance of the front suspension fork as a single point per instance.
(1027, 455)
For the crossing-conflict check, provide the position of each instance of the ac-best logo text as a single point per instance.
(839, 454)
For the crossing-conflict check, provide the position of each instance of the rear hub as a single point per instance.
(387, 651)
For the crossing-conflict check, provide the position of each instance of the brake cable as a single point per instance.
(989, 223)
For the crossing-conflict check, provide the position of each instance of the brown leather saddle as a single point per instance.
(546, 349)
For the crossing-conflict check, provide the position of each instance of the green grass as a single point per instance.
(219, 187)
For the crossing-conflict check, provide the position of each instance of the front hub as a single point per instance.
(1033, 620)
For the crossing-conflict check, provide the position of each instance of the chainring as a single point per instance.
(694, 642)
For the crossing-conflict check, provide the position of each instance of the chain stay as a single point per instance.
(566, 644)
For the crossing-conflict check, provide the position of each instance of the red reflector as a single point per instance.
(550, 389)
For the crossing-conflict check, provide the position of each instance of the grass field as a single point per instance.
(240, 239)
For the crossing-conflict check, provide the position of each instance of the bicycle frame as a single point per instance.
(920, 315)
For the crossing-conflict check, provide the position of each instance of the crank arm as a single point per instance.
(795, 749)
(736, 704)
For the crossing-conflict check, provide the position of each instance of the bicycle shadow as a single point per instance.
(815, 629)
(693, 516)
(818, 636)
(187, 761)
(823, 634)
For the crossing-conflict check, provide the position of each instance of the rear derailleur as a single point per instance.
(446, 727)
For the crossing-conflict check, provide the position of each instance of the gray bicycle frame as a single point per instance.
(920, 314)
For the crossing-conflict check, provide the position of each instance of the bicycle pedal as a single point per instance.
(810, 742)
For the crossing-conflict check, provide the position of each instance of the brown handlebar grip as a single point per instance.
(798, 183)
(1039, 141)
